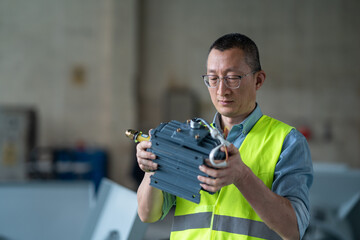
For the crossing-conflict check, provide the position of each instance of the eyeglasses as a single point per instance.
(231, 81)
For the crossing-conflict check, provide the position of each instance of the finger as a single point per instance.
(147, 162)
(208, 163)
(210, 184)
(143, 145)
(147, 165)
(232, 149)
(211, 181)
(213, 172)
(209, 188)
(141, 151)
(147, 168)
(150, 132)
(145, 155)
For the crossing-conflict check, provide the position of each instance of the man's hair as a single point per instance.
(237, 40)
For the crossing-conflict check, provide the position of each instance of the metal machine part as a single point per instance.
(137, 136)
(215, 134)
(180, 149)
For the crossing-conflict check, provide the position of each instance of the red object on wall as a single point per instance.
(306, 131)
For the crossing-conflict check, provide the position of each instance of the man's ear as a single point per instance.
(260, 79)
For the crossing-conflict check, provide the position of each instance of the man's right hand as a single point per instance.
(145, 158)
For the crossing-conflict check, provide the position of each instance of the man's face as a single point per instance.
(238, 103)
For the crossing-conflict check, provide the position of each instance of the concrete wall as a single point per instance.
(133, 53)
(43, 42)
(309, 50)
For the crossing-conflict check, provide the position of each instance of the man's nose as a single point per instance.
(222, 88)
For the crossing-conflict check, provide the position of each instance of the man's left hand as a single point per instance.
(222, 176)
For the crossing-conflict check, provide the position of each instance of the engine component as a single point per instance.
(180, 149)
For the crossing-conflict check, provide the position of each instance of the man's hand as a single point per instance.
(145, 158)
(223, 176)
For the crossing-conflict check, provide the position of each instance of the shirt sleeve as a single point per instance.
(293, 176)
(169, 202)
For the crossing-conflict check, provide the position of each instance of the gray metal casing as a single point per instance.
(180, 150)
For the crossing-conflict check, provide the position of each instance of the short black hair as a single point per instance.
(237, 40)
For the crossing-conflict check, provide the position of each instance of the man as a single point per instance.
(263, 191)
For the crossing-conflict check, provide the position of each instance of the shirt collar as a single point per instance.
(246, 125)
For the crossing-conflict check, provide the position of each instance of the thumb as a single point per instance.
(232, 149)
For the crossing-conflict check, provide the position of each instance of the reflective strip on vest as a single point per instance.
(225, 224)
(192, 221)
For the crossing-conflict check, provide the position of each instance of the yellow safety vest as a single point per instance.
(227, 214)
